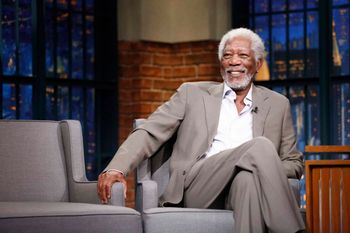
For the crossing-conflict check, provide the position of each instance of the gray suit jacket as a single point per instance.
(193, 112)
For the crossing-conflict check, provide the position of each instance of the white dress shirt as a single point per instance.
(234, 128)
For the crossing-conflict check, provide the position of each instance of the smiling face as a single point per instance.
(238, 64)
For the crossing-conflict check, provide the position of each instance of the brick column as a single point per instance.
(150, 72)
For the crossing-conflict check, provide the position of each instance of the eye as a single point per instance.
(227, 56)
(243, 55)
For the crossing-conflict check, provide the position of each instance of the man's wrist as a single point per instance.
(114, 170)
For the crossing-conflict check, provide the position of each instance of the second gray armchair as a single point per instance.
(43, 186)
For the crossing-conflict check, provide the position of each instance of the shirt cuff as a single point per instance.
(116, 170)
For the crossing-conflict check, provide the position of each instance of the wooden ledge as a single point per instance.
(327, 149)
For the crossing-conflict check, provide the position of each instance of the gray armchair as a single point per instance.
(43, 186)
(152, 178)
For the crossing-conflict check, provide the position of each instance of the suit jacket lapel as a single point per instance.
(212, 105)
(262, 109)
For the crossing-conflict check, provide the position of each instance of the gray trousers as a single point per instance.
(251, 181)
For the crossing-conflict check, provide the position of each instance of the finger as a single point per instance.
(103, 195)
(99, 187)
(107, 190)
(125, 188)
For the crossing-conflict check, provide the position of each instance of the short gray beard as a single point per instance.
(238, 86)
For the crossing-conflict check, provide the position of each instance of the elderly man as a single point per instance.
(235, 144)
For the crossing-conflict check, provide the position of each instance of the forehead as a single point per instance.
(238, 43)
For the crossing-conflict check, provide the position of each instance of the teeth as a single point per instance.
(235, 71)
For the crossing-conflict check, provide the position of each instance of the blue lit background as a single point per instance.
(69, 46)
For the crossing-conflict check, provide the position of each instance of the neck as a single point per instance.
(241, 94)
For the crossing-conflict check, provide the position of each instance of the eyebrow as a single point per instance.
(238, 49)
(242, 48)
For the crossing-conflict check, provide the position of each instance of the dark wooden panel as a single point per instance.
(335, 199)
(346, 200)
(328, 196)
(323, 189)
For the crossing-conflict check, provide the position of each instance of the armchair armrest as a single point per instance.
(86, 192)
(295, 185)
(146, 195)
(117, 195)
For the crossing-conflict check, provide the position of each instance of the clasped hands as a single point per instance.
(105, 182)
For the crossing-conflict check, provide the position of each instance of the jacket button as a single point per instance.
(184, 173)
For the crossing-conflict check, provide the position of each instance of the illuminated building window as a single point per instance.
(291, 35)
(49, 50)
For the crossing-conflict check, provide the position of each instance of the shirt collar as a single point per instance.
(248, 100)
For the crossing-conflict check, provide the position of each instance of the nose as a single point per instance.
(235, 60)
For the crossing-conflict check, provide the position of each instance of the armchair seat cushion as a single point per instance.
(67, 217)
(187, 220)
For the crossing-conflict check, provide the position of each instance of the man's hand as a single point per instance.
(105, 182)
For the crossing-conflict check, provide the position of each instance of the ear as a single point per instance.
(259, 64)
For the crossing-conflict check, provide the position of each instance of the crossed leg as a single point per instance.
(252, 179)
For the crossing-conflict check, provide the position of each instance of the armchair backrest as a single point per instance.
(34, 166)
(157, 167)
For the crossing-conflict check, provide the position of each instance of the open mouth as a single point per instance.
(235, 71)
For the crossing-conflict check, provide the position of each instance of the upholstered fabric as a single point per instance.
(187, 220)
(28, 151)
(295, 185)
(43, 184)
(147, 195)
(67, 217)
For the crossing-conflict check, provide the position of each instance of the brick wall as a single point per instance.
(149, 73)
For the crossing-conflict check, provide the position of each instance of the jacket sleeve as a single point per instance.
(292, 159)
(146, 139)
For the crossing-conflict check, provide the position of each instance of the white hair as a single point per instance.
(257, 45)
